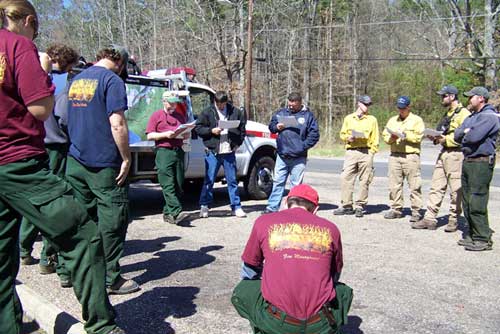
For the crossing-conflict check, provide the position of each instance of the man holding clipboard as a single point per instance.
(448, 168)
(297, 131)
(222, 128)
(360, 135)
(164, 127)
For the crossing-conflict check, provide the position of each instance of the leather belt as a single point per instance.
(176, 148)
(478, 159)
(452, 149)
(278, 314)
(362, 149)
(402, 154)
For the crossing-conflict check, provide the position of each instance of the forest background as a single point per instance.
(329, 51)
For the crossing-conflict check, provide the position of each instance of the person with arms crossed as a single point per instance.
(99, 156)
(404, 133)
(169, 156)
(27, 186)
(360, 134)
(477, 136)
(291, 268)
(448, 168)
(220, 147)
(293, 143)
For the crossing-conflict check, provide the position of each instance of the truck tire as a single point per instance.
(260, 180)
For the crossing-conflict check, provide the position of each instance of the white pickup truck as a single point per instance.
(255, 158)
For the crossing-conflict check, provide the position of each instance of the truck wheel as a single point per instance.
(260, 180)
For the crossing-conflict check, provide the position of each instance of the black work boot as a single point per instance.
(343, 211)
(479, 246)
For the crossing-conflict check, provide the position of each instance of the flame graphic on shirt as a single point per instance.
(301, 237)
(82, 90)
(3, 67)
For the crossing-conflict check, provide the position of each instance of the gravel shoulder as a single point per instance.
(405, 281)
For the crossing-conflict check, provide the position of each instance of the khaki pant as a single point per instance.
(448, 171)
(403, 166)
(356, 163)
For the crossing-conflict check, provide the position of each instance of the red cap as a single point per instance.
(306, 192)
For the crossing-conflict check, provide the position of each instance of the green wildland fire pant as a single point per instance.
(107, 204)
(248, 301)
(170, 166)
(28, 188)
(476, 178)
(27, 236)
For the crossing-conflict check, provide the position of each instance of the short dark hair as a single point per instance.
(295, 97)
(299, 201)
(221, 96)
(108, 53)
(63, 55)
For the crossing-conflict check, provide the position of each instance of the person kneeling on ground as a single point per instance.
(297, 289)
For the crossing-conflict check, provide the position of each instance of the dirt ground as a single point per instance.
(404, 281)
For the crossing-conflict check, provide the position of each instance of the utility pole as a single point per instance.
(249, 61)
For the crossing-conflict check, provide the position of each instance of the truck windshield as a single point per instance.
(200, 100)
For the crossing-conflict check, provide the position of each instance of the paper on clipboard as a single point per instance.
(396, 133)
(288, 121)
(357, 134)
(228, 124)
(432, 133)
(183, 128)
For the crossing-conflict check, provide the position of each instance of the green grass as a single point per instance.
(336, 150)
(329, 150)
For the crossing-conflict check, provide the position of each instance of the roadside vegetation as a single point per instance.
(329, 51)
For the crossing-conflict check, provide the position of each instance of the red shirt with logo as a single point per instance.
(161, 121)
(300, 253)
(22, 81)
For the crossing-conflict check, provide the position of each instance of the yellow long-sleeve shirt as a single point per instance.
(456, 121)
(368, 125)
(412, 127)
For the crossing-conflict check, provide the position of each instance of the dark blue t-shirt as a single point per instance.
(93, 96)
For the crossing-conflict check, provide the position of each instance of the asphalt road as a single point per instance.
(319, 165)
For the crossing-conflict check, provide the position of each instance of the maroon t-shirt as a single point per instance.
(161, 121)
(22, 81)
(301, 252)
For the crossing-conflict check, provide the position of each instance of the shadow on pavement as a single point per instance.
(147, 312)
(137, 246)
(164, 264)
(327, 206)
(377, 208)
(146, 199)
(353, 324)
(30, 327)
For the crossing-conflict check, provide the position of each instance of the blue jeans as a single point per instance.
(294, 167)
(212, 165)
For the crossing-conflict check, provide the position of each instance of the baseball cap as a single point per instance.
(306, 192)
(403, 102)
(448, 89)
(480, 91)
(365, 99)
(171, 96)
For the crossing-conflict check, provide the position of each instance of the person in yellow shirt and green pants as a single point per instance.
(360, 134)
(404, 134)
(448, 170)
